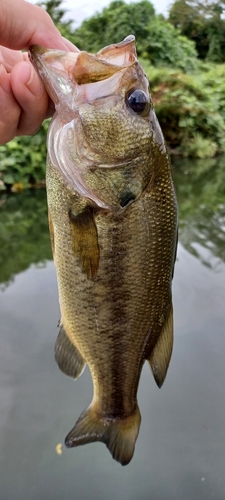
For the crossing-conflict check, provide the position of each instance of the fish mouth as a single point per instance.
(83, 67)
(69, 73)
(74, 80)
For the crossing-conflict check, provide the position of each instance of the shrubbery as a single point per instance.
(188, 94)
(190, 109)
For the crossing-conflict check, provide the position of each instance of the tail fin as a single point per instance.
(119, 435)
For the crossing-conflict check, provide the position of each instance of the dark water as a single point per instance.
(180, 452)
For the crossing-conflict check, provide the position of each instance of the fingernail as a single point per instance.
(70, 46)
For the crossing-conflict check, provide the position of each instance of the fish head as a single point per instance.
(104, 120)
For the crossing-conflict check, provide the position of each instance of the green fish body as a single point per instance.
(113, 225)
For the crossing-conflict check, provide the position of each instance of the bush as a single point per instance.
(190, 109)
(24, 235)
(113, 24)
(164, 46)
(22, 160)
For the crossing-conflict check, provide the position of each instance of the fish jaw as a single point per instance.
(63, 72)
(85, 88)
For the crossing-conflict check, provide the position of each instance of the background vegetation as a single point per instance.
(200, 187)
(24, 234)
(184, 58)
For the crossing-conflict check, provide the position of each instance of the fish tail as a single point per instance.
(119, 435)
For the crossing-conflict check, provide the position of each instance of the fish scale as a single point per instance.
(113, 223)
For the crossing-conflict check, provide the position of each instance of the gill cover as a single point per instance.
(74, 79)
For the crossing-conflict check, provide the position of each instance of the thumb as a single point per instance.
(23, 24)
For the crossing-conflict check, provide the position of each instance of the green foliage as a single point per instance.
(164, 46)
(113, 24)
(22, 160)
(204, 23)
(157, 40)
(190, 109)
(24, 235)
(200, 187)
(201, 147)
(200, 182)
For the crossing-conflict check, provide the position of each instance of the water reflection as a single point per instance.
(24, 237)
(200, 186)
(180, 452)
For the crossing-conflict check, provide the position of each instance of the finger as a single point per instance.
(10, 109)
(24, 24)
(10, 57)
(31, 96)
(70, 46)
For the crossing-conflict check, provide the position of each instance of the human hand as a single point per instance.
(24, 103)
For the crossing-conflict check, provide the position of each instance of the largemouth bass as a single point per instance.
(113, 225)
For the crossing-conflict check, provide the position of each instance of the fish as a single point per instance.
(113, 226)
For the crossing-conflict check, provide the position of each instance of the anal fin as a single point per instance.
(159, 358)
(67, 356)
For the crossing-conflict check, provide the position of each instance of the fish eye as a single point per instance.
(137, 100)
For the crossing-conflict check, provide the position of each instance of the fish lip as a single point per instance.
(65, 73)
(128, 42)
(35, 52)
(37, 49)
(114, 57)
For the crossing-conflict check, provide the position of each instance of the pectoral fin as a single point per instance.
(160, 356)
(85, 241)
(67, 356)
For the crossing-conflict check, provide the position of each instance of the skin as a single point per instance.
(24, 103)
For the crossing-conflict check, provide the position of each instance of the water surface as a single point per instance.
(180, 452)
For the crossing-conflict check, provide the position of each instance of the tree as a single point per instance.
(165, 46)
(157, 40)
(204, 23)
(216, 35)
(113, 24)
